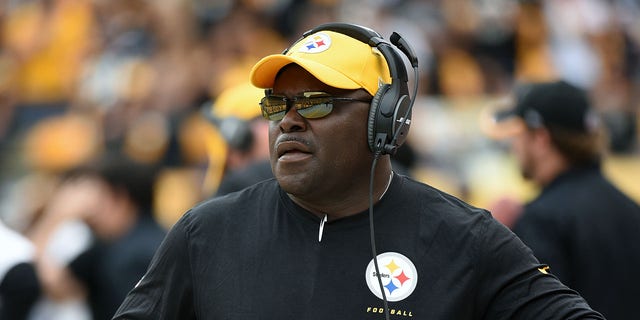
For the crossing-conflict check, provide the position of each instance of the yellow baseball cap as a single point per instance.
(336, 59)
(241, 101)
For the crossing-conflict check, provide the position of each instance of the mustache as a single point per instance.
(291, 138)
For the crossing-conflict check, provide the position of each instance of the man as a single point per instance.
(300, 246)
(239, 122)
(114, 196)
(581, 225)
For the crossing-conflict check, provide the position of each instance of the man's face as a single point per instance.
(319, 159)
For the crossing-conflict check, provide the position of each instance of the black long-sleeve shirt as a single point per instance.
(255, 254)
(588, 232)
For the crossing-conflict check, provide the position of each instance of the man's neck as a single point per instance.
(551, 167)
(355, 202)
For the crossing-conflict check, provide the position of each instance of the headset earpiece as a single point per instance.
(373, 116)
(390, 110)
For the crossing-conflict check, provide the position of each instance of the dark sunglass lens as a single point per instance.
(273, 107)
(315, 107)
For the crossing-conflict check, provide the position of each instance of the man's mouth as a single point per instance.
(292, 150)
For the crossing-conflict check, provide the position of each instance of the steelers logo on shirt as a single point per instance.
(398, 274)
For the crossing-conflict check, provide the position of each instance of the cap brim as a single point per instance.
(500, 124)
(264, 72)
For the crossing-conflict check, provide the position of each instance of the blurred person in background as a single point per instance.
(114, 196)
(46, 43)
(580, 224)
(19, 283)
(236, 115)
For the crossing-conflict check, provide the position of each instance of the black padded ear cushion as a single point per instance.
(372, 129)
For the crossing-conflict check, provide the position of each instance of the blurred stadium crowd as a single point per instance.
(79, 78)
(83, 79)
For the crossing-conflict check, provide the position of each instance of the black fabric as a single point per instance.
(110, 270)
(241, 178)
(558, 104)
(589, 233)
(255, 254)
(19, 290)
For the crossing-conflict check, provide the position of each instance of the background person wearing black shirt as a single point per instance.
(581, 225)
(114, 196)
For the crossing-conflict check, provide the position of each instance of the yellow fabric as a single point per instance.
(50, 45)
(62, 142)
(217, 154)
(176, 190)
(335, 59)
(241, 101)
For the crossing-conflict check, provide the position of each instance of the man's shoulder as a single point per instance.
(268, 186)
(256, 196)
(436, 201)
(241, 178)
(433, 194)
(579, 194)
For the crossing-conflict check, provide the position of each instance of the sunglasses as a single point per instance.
(310, 105)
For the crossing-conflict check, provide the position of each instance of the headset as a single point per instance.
(390, 112)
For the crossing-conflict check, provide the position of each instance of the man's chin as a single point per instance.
(294, 184)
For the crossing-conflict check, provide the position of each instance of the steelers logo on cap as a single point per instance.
(316, 43)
